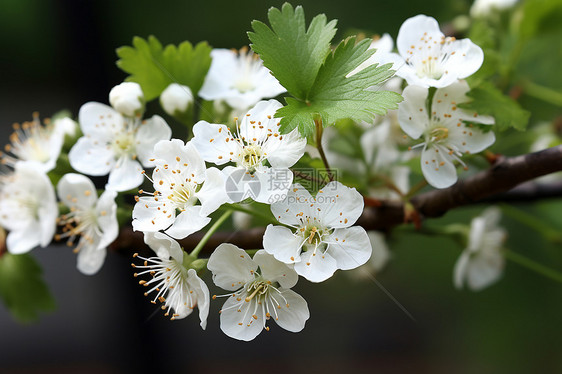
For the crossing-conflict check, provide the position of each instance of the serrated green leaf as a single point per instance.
(293, 53)
(155, 67)
(22, 287)
(488, 100)
(335, 96)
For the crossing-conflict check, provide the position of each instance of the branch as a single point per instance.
(491, 185)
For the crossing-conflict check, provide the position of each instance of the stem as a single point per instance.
(414, 190)
(210, 233)
(319, 131)
(531, 221)
(533, 266)
(543, 93)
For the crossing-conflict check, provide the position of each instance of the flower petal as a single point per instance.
(77, 190)
(187, 222)
(106, 210)
(215, 143)
(25, 239)
(231, 267)
(282, 244)
(150, 132)
(148, 217)
(212, 195)
(202, 293)
(484, 269)
(90, 259)
(274, 184)
(285, 150)
(316, 268)
(350, 247)
(90, 157)
(274, 270)
(291, 209)
(98, 120)
(239, 321)
(164, 246)
(293, 313)
(125, 175)
(412, 112)
(339, 205)
(437, 167)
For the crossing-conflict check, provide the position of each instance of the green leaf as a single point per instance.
(155, 67)
(22, 288)
(293, 53)
(335, 96)
(488, 100)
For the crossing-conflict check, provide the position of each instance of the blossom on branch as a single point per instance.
(481, 263)
(177, 287)
(260, 291)
(323, 240)
(28, 208)
(117, 145)
(239, 78)
(180, 181)
(429, 59)
(256, 142)
(91, 219)
(446, 136)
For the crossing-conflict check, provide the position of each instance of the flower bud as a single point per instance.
(176, 98)
(127, 98)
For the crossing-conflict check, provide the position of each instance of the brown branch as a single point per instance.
(491, 185)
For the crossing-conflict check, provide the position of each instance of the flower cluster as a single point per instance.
(249, 163)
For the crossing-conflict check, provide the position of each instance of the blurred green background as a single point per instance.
(60, 54)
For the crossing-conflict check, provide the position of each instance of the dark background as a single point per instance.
(60, 54)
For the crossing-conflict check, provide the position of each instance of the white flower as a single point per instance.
(380, 257)
(257, 295)
(115, 145)
(176, 98)
(258, 140)
(239, 78)
(180, 289)
(429, 59)
(28, 208)
(323, 240)
(180, 180)
(33, 142)
(93, 220)
(445, 135)
(481, 8)
(482, 262)
(127, 98)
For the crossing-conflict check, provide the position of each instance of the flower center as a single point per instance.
(430, 68)
(313, 237)
(437, 134)
(257, 288)
(124, 145)
(251, 157)
(243, 85)
(182, 196)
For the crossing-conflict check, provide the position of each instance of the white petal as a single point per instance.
(176, 155)
(188, 222)
(91, 157)
(77, 190)
(240, 184)
(413, 29)
(412, 112)
(295, 205)
(282, 244)
(437, 167)
(316, 268)
(215, 142)
(149, 133)
(237, 319)
(484, 270)
(125, 175)
(147, 216)
(98, 120)
(274, 270)
(293, 312)
(285, 150)
(231, 267)
(350, 247)
(460, 269)
(90, 259)
(274, 184)
(466, 59)
(164, 246)
(340, 205)
(255, 125)
(471, 140)
(106, 209)
(25, 239)
(202, 293)
(212, 195)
